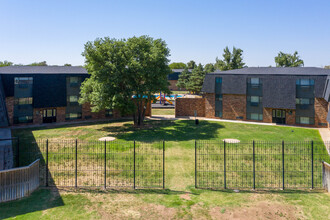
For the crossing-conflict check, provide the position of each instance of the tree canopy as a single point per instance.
(5, 63)
(184, 78)
(288, 60)
(43, 63)
(231, 60)
(191, 64)
(196, 80)
(209, 68)
(177, 65)
(125, 74)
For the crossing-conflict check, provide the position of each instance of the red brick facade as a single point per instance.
(209, 105)
(87, 114)
(321, 112)
(187, 107)
(234, 107)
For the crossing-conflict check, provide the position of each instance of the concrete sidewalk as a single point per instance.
(6, 150)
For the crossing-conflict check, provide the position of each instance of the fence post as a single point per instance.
(283, 165)
(224, 164)
(163, 164)
(46, 162)
(17, 153)
(312, 145)
(134, 166)
(195, 164)
(76, 165)
(254, 167)
(105, 164)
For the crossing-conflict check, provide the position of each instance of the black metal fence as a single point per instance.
(219, 164)
(107, 164)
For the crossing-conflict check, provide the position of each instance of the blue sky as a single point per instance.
(56, 31)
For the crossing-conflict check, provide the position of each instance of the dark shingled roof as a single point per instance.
(277, 71)
(279, 84)
(42, 70)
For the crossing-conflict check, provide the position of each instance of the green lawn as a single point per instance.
(181, 199)
(160, 111)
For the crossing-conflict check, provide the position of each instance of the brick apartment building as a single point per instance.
(45, 94)
(293, 96)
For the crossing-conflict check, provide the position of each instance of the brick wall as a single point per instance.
(321, 111)
(234, 106)
(267, 115)
(209, 105)
(10, 109)
(290, 119)
(187, 106)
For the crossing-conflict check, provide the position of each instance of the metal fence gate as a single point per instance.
(107, 164)
(219, 164)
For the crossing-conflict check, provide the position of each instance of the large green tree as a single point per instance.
(209, 68)
(5, 63)
(191, 64)
(196, 80)
(177, 65)
(184, 78)
(231, 60)
(288, 60)
(124, 74)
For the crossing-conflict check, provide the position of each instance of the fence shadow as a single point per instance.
(25, 151)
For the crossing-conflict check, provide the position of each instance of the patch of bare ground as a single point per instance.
(126, 206)
(259, 210)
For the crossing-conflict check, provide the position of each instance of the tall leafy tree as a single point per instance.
(231, 60)
(288, 60)
(5, 63)
(125, 74)
(209, 68)
(184, 78)
(177, 65)
(196, 80)
(191, 64)
(67, 64)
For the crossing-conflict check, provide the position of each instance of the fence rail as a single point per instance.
(106, 164)
(220, 164)
(326, 176)
(17, 183)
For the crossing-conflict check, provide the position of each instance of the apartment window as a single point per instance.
(218, 80)
(23, 80)
(71, 116)
(23, 101)
(23, 119)
(305, 120)
(305, 83)
(255, 116)
(218, 97)
(254, 100)
(73, 100)
(108, 112)
(74, 81)
(304, 101)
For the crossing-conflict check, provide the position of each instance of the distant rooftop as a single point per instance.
(42, 70)
(276, 71)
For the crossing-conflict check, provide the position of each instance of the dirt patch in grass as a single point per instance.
(260, 210)
(126, 206)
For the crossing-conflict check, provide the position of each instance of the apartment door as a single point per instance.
(49, 115)
(279, 116)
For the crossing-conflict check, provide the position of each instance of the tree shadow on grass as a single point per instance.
(183, 130)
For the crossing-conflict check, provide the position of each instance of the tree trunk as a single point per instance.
(138, 116)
